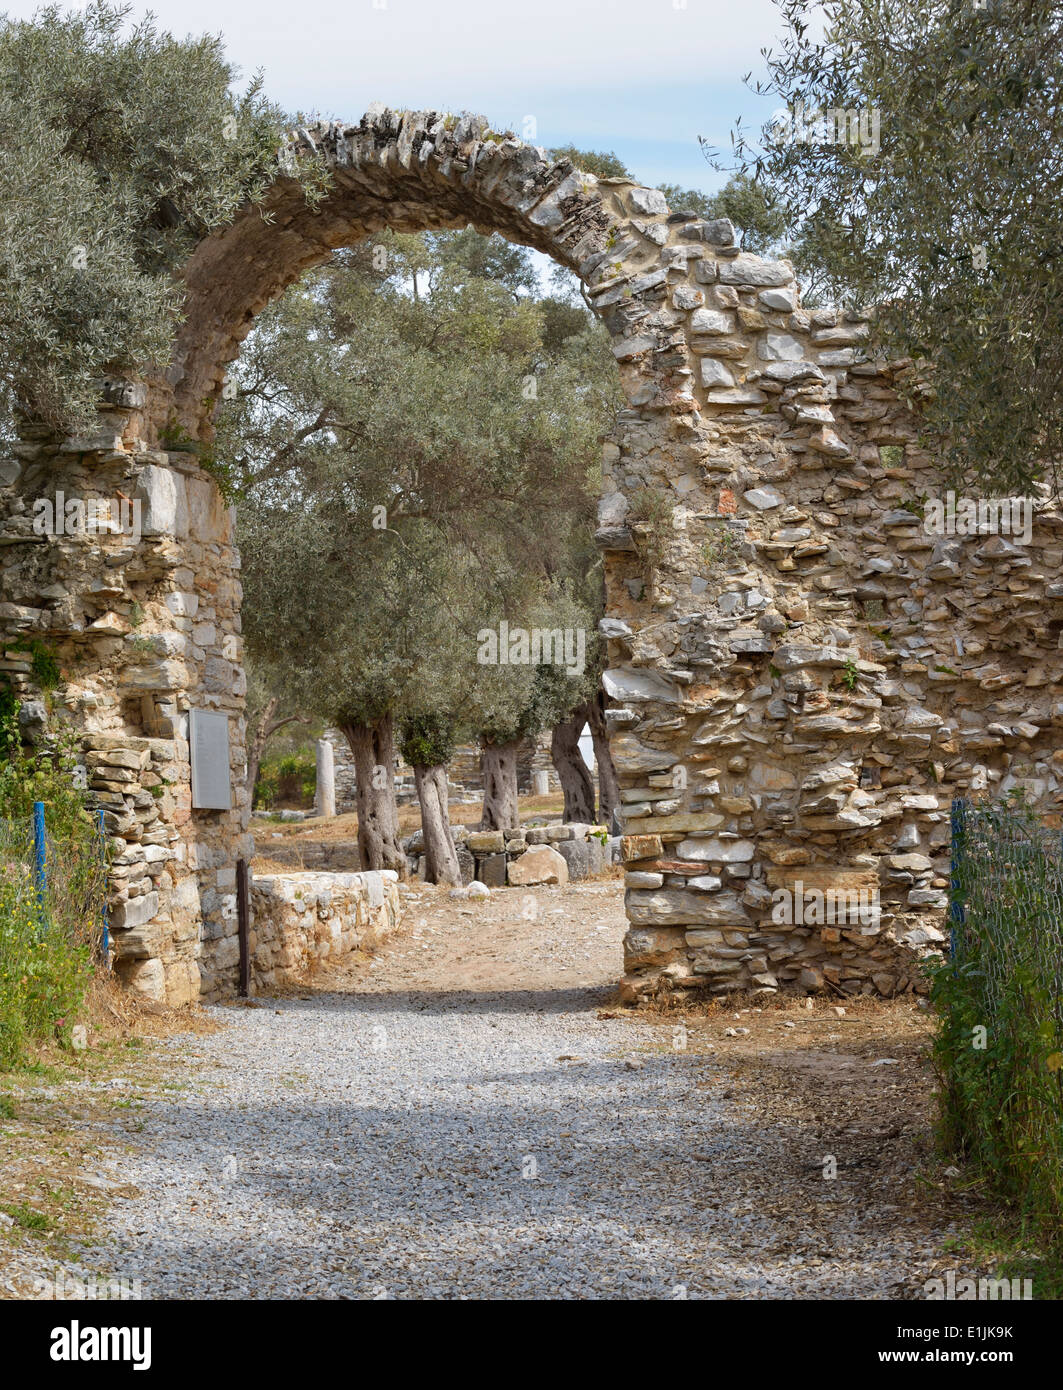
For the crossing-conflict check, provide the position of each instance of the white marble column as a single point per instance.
(325, 794)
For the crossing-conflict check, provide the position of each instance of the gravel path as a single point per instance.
(381, 1141)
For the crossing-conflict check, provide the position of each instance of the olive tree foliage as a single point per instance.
(415, 450)
(120, 146)
(446, 395)
(953, 226)
(268, 712)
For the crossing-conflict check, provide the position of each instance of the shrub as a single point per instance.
(427, 740)
(288, 777)
(999, 1048)
(46, 941)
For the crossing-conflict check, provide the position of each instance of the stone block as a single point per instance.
(629, 684)
(134, 912)
(678, 907)
(540, 864)
(182, 983)
(466, 863)
(753, 270)
(138, 943)
(630, 756)
(633, 847)
(576, 854)
(637, 879)
(653, 946)
(716, 851)
(491, 870)
(146, 977)
(486, 842)
(164, 501)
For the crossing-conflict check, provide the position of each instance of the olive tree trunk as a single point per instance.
(576, 781)
(501, 808)
(441, 859)
(378, 817)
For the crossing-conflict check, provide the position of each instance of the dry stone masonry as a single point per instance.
(801, 677)
(302, 919)
(500, 857)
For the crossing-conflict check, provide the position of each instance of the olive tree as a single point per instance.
(415, 447)
(119, 149)
(918, 154)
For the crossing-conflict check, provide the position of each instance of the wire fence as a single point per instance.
(16, 863)
(53, 926)
(999, 1049)
(58, 884)
(1007, 901)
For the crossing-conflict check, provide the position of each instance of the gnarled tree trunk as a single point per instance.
(608, 785)
(501, 808)
(441, 859)
(378, 817)
(576, 781)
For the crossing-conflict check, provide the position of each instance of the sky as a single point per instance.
(644, 78)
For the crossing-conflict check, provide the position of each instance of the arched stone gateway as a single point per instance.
(802, 674)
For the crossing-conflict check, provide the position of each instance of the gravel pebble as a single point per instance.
(419, 1145)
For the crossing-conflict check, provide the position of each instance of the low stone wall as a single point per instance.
(300, 919)
(485, 855)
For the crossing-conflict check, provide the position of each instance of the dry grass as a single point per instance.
(113, 1014)
(59, 1133)
(262, 865)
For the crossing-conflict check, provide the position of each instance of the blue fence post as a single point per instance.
(40, 855)
(958, 849)
(105, 944)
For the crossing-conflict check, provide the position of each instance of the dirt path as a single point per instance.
(469, 1115)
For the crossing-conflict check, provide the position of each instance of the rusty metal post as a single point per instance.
(243, 919)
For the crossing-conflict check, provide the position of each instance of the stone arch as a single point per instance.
(767, 730)
(412, 171)
(133, 679)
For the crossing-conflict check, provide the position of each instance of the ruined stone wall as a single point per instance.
(825, 670)
(299, 920)
(801, 677)
(140, 630)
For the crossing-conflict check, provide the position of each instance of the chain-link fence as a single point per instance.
(1000, 1047)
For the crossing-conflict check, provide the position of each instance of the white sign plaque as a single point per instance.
(208, 738)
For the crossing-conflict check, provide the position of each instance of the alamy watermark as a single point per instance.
(859, 127)
(961, 1289)
(87, 516)
(65, 1285)
(77, 1343)
(984, 516)
(521, 646)
(830, 907)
